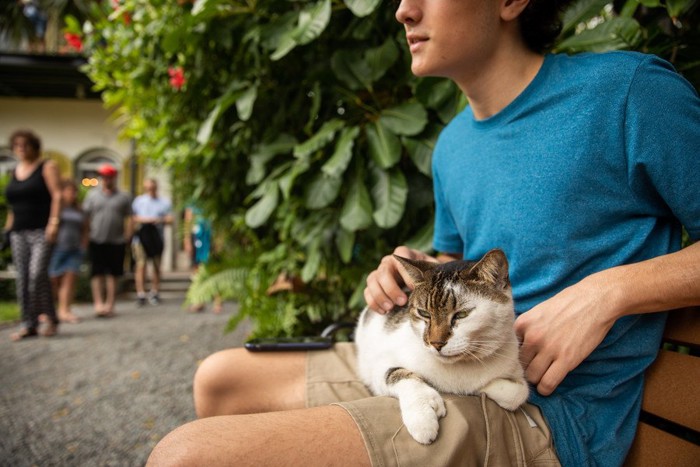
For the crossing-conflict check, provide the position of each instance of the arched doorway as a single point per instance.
(87, 164)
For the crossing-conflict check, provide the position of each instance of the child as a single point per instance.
(69, 250)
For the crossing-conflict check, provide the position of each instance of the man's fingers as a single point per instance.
(553, 376)
(383, 290)
(536, 369)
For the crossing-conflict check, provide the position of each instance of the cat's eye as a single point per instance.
(423, 313)
(461, 315)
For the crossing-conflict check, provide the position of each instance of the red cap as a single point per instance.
(107, 170)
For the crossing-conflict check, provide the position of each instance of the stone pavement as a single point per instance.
(104, 391)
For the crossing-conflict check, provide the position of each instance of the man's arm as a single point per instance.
(558, 334)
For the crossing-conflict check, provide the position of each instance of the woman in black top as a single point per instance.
(33, 195)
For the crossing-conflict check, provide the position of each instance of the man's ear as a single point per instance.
(511, 9)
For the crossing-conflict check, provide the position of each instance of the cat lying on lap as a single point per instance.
(455, 335)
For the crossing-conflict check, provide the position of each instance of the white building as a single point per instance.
(48, 95)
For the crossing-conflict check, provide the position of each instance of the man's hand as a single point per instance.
(385, 284)
(558, 334)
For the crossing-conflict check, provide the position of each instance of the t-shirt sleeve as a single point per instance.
(662, 135)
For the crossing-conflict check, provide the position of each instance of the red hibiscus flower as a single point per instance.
(74, 41)
(177, 77)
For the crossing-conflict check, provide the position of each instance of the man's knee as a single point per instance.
(212, 381)
(179, 448)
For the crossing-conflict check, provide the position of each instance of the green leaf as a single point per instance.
(359, 69)
(357, 210)
(405, 119)
(264, 153)
(350, 67)
(676, 7)
(421, 153)
(389, 193)
(322, 191)
(312, 263)
(362, 7)
(338, 163)
(312, 22)
(384, 146)
(244, 104)
(581, 11)
(380, 59)
(232, 94)
(322, 137)
(423, 239)
(614, 34)
(260, 212)
(345, 242)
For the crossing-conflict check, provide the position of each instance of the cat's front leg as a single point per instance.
(421, 405)
(509, 394)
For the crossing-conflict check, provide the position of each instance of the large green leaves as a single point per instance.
(405, 119)
(357, 210)
(359, 69)
(384, 145)
(389, 193)
(615, 34)
(311, 23)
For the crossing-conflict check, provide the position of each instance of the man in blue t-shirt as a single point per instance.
(151, 214)
(583, 170)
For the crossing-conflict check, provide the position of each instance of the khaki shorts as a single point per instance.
(475, 431)
(139, 256)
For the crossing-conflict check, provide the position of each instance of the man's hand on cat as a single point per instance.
(558, 334)
(385, 284)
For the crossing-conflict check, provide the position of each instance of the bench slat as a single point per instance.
(653, 448)
(683, 326)
(671, 389)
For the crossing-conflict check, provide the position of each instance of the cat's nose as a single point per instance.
(438, 344)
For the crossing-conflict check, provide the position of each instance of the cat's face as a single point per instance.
(464, 309)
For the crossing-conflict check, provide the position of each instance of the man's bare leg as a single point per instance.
(111, 289)
(96, 284)
(318, 436)
(236, 381)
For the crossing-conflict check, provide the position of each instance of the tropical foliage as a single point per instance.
(299, 128)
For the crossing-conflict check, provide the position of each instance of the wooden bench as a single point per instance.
(669, 427)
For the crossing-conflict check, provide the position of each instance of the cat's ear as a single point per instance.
(493, 269)
(415, 268)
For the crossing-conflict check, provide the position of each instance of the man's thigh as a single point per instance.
(475, 431)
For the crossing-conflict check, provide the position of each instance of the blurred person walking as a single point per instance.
(68, 253)
(109, 211)
(197, 243)
(34, 197)
(151, 213)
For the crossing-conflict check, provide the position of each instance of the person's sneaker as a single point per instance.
(141, 301)
(153, 299)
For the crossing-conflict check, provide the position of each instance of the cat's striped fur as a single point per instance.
(455, 335)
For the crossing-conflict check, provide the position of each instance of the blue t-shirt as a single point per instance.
(594, 165)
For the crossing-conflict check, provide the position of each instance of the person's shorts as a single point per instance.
(107, 259)
(140, 257)
(475, 431)
(63, 261)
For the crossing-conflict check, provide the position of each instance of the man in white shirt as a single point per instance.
(151, 213)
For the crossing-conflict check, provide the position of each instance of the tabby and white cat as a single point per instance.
(455, 335)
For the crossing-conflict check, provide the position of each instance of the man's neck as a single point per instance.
(501, 80)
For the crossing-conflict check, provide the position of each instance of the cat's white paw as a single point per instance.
(507, 393)
(421, 413)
